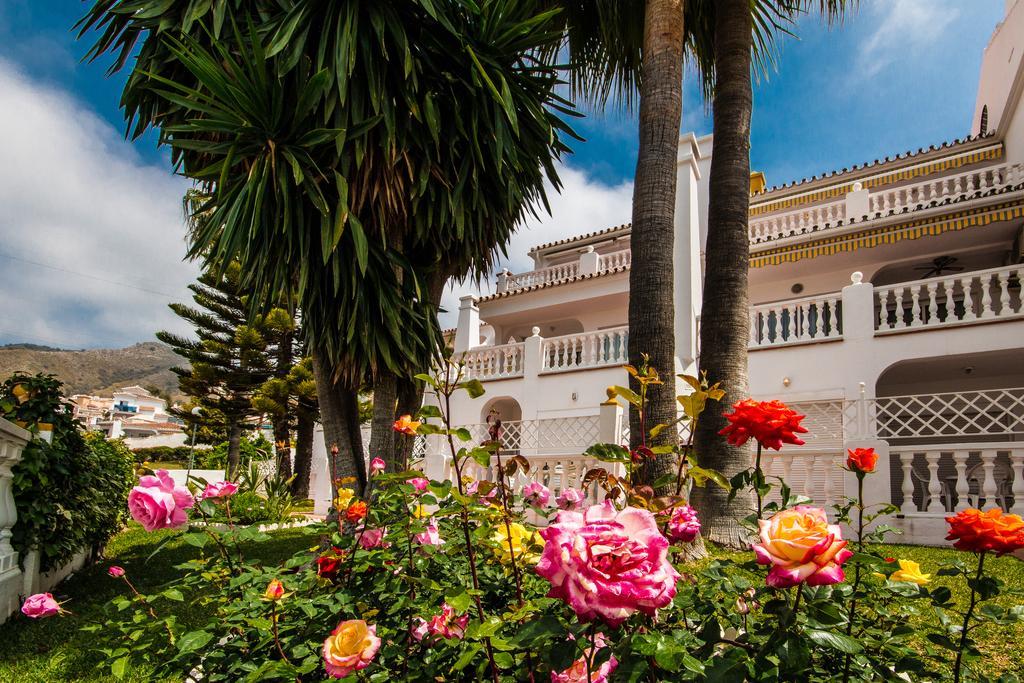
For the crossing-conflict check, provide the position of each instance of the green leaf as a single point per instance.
(608, 452)
(429, 411)
(462, 434)
(482, 456)
(702, 475)
(194, 640)
(473, 387)
(836, 641)
(120, 667)
(173, 594)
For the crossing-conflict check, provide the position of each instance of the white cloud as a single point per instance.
(584, 205)
(904, 28)
(75, 196)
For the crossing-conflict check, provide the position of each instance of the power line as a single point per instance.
(87, 275)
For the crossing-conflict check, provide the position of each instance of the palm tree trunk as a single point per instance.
(725, 326)
(339, 414)
(382, 435)
(303, 452)
(234, 447)
(651, 314)
(410, 399)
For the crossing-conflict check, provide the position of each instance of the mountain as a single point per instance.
(97, 371)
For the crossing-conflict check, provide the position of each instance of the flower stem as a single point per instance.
(847, 660)
(273, 625)
(758, 479)
(967, 620)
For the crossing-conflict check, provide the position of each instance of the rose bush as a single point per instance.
(448, 580)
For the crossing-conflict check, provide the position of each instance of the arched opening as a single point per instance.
(506, 408)
(502, 418)
(946, 374)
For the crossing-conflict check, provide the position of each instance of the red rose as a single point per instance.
(861, 460)
(770, 423)
(980, 532)
(329, 564)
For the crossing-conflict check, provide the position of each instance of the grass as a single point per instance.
(54, 650)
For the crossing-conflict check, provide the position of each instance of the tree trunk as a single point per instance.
(725, 325)
(234, 448)
(383, 439)
(303, 453)
(282, 423)
(651, 314)
(410, 399)
(339, 412)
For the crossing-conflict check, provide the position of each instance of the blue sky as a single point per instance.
(95, 234)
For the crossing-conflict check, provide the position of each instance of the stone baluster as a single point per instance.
(958, 185)
(915, 299)
(933, 304)
(907, 487)
(1003, 286)
(989, 490)
(883, 309)
(963, 487)
(827, 491)
(764, 327)
(985, 282)
(901, 322)
(1017, 465)
(934, 485)
(808, 488)
(787, 468)
(947, 293)
(967, 287)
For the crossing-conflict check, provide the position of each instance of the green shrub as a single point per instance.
(248, 508)
(72, 493)
(163, 454)
(251, 450)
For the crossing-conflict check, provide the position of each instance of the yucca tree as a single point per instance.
(350, 154)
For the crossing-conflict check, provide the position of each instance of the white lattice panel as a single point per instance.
(996, 412)
(824, 423)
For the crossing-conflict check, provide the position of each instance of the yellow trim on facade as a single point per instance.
(994, 152)
(889, 234)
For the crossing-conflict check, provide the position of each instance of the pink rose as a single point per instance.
(419, 483)
(373, 538)
(351, 647)
(607, 564)
(156, 503)
(802, 547)
(489, 497)
(570, 499)
(115, 572)
(577, 673)
(377, 466)
(536, 494)
(40, 605)
(445, 625)
(683, 525)
(220, 490)
(431, 536)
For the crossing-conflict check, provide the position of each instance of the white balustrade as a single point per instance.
(585, 350)
(978, 296)
(797, 321)
(12, 440)
(797, 221)
(817, 475)
(944, 478)
(935, 191)
(989, 413)
(493, 362)
(542, 276)
(885, 201)
(616, 259)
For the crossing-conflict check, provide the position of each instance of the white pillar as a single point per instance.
(588, 261)
(858, 309)
(610, 422)
(686, 262)
(857, 203)
(503, 280)
(467, 335)
(12, 440)
(532, 359)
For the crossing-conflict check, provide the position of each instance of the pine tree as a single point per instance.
(290, 399)
(228, 358)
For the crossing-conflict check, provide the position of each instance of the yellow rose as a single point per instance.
(909, 572)
(522, 543)
(345, 497)
(350, 648)
(420, 512)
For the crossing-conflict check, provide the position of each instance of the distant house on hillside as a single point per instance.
(134, 414)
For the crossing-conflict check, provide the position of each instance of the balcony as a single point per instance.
(537, 355)
(861, 206)
(590, 263)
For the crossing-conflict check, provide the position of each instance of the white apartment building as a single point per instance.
(886, 306)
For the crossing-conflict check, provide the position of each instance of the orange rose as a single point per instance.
(356, 511)
(406, 425)
(980, 532)
(861, 460)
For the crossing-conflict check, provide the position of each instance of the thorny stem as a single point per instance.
(273, 626)
(856, 570)
(758, 479)
(588, 656)
(464, 515)
(503, 492)
(412, 586)
(149, 607)
(967, 619)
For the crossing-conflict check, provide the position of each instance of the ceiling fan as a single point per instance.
(940, 266)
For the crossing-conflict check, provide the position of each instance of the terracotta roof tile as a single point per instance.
(578, 238)
(564, 281)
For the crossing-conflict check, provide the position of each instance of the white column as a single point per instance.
(588, 261)
(1017, 465)
(858, 308)
(532, 365)
(12, 439)
(686, 262)
(503, 280)
(963, 487)
(988, 483)
(467, 335)
(857, 203)
(610, 422)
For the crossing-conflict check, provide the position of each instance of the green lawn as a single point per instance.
(53, 650)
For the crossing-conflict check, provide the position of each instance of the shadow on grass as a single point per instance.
(52, 650)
